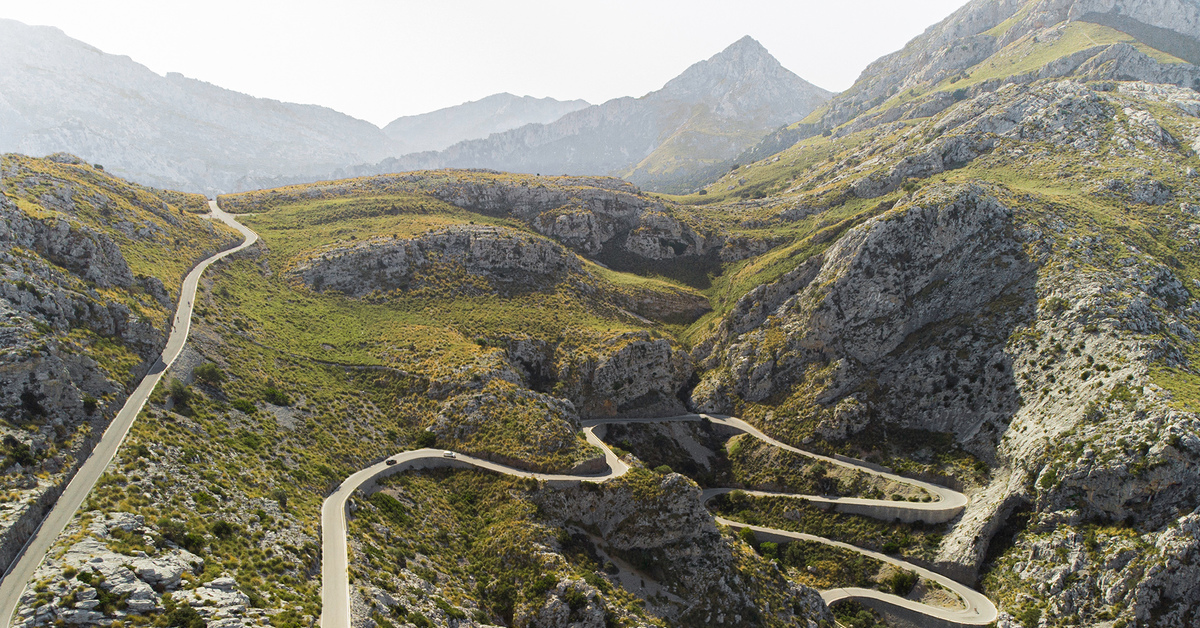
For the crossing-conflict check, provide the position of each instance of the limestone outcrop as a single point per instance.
(505, 260)
(660, 521)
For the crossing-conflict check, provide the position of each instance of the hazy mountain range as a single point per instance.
(671, 139)
(58, 94)
(439, 129)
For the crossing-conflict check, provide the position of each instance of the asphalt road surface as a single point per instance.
(976, 609)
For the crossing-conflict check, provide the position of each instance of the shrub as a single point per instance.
(31, 402)
(89, 404)
(18, 452)
(209, 373)
(576, 599)
(1030, 617)
(274, 396)
(663, 469)
(426, 439)
(450, 611)
(180, 393)
(902, 582)
(223, 529)
(176, 532)
(280, 496)
(541, 585)
(747, 535)
(244, 406)
(185, 616)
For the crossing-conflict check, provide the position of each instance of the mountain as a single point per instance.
(1004, 259)
(670, 139)
(979, 267)
(59, 94)
(991, 42)
(473, 120)
(985, 28)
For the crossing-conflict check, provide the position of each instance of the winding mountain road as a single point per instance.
(977, 609)
(21, 570)
(335, 580)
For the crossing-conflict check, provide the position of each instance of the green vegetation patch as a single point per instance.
(785, 513)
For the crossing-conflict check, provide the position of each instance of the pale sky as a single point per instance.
(381, 59)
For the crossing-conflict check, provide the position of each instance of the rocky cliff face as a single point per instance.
(660, 522)
(589, 214)
(1015, 321)
(632, 374)
(81, 325)
(981, 29)
(506, 260)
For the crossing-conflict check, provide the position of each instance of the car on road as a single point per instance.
(391, 461)
(448, 454)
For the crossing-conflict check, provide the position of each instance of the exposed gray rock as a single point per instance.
(667, 524)
(632, 374)
(508, 260)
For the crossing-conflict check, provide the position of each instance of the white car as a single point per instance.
(448, 454)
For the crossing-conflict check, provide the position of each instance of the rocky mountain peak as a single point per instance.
(744, 67)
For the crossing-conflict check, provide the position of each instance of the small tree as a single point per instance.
(210, 374)
(180, 393)
(747, 535)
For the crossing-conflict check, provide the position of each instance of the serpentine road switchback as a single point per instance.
(977, 609)
(335, 590)
(22, 568)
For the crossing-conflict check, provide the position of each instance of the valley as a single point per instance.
(919, 352)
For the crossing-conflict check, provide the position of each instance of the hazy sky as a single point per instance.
(380, 59)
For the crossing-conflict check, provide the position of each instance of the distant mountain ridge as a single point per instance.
(497, 113)
(670, 139)
(58, 94)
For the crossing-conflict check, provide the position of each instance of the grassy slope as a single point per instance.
(436, 328)
(88, 198)
(101, 201)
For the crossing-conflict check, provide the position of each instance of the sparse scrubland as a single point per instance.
(979, 269)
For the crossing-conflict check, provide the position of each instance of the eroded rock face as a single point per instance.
(963, 40)
(633, 374)
(44, 265)
(587, 214)
(505, 259)
(138, 580)
(662, 520)
(876, 286)
(592, 215)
